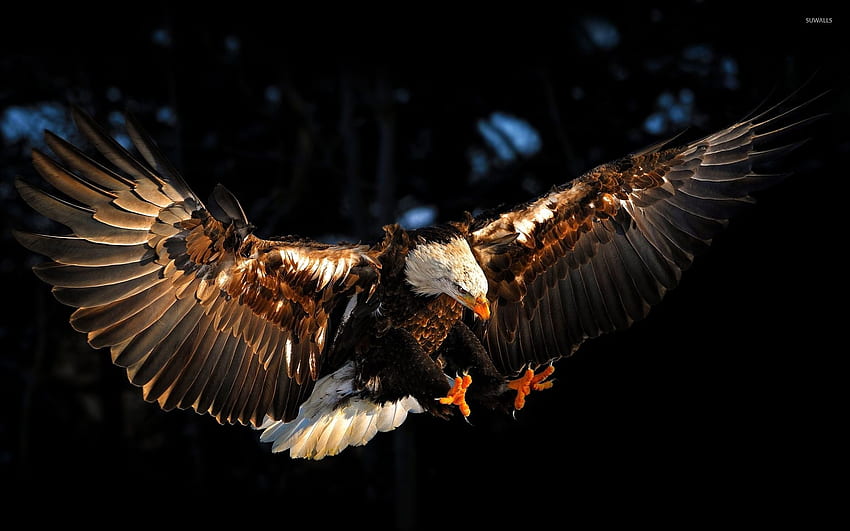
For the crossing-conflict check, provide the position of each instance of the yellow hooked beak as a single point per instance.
(479, 305)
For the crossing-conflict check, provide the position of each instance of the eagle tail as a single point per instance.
(334, 418)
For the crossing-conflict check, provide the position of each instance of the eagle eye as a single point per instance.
(460, 289)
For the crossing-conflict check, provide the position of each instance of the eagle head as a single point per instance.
(447, 266)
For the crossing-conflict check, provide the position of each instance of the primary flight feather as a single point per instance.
(322, 346)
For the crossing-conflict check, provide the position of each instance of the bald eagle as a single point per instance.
(320, 346)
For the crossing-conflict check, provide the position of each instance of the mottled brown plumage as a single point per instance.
(324, 345)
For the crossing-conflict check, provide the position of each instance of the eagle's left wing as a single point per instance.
(592, 256)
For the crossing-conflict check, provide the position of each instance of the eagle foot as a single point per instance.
(457, 394)
(529, 382)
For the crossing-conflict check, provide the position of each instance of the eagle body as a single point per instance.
(321, 346)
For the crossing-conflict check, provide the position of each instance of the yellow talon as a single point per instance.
(457, 394)
(530, 382)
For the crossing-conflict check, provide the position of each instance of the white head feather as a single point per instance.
(434, 268)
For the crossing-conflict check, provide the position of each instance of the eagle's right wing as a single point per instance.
(200, 312)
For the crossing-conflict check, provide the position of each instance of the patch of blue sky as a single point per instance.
(665, 100)
(673, 111)
(478, 162)
(26, 123)
(508, 135)
(232, 44)
(508, 138)
(166, 115)
(601, 32)
(729, 67)
(116, 123)
(679, 114)
(273, 94)
(702, 53)
(655, 124)
(495, 140)
(418, 216)
(161, 37)
(524, 138)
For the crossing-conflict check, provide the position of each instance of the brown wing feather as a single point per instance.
(594, 255)
(201, 313)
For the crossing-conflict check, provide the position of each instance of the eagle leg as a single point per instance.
(457, 394)
(529, 382)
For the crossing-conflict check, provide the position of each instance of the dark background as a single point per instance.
(726, 404)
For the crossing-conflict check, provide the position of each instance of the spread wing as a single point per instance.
(200, 312)
(594, 255)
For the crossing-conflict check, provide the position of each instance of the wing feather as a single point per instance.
(227, 390)
(113, 318)
(181, 368)
(70, 250)
(183, 380)
(201, 313)
(67, 276)
(186, 316)
(220, 358)
(594, 255)
(100, 295)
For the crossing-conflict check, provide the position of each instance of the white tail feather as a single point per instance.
(333, 418)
